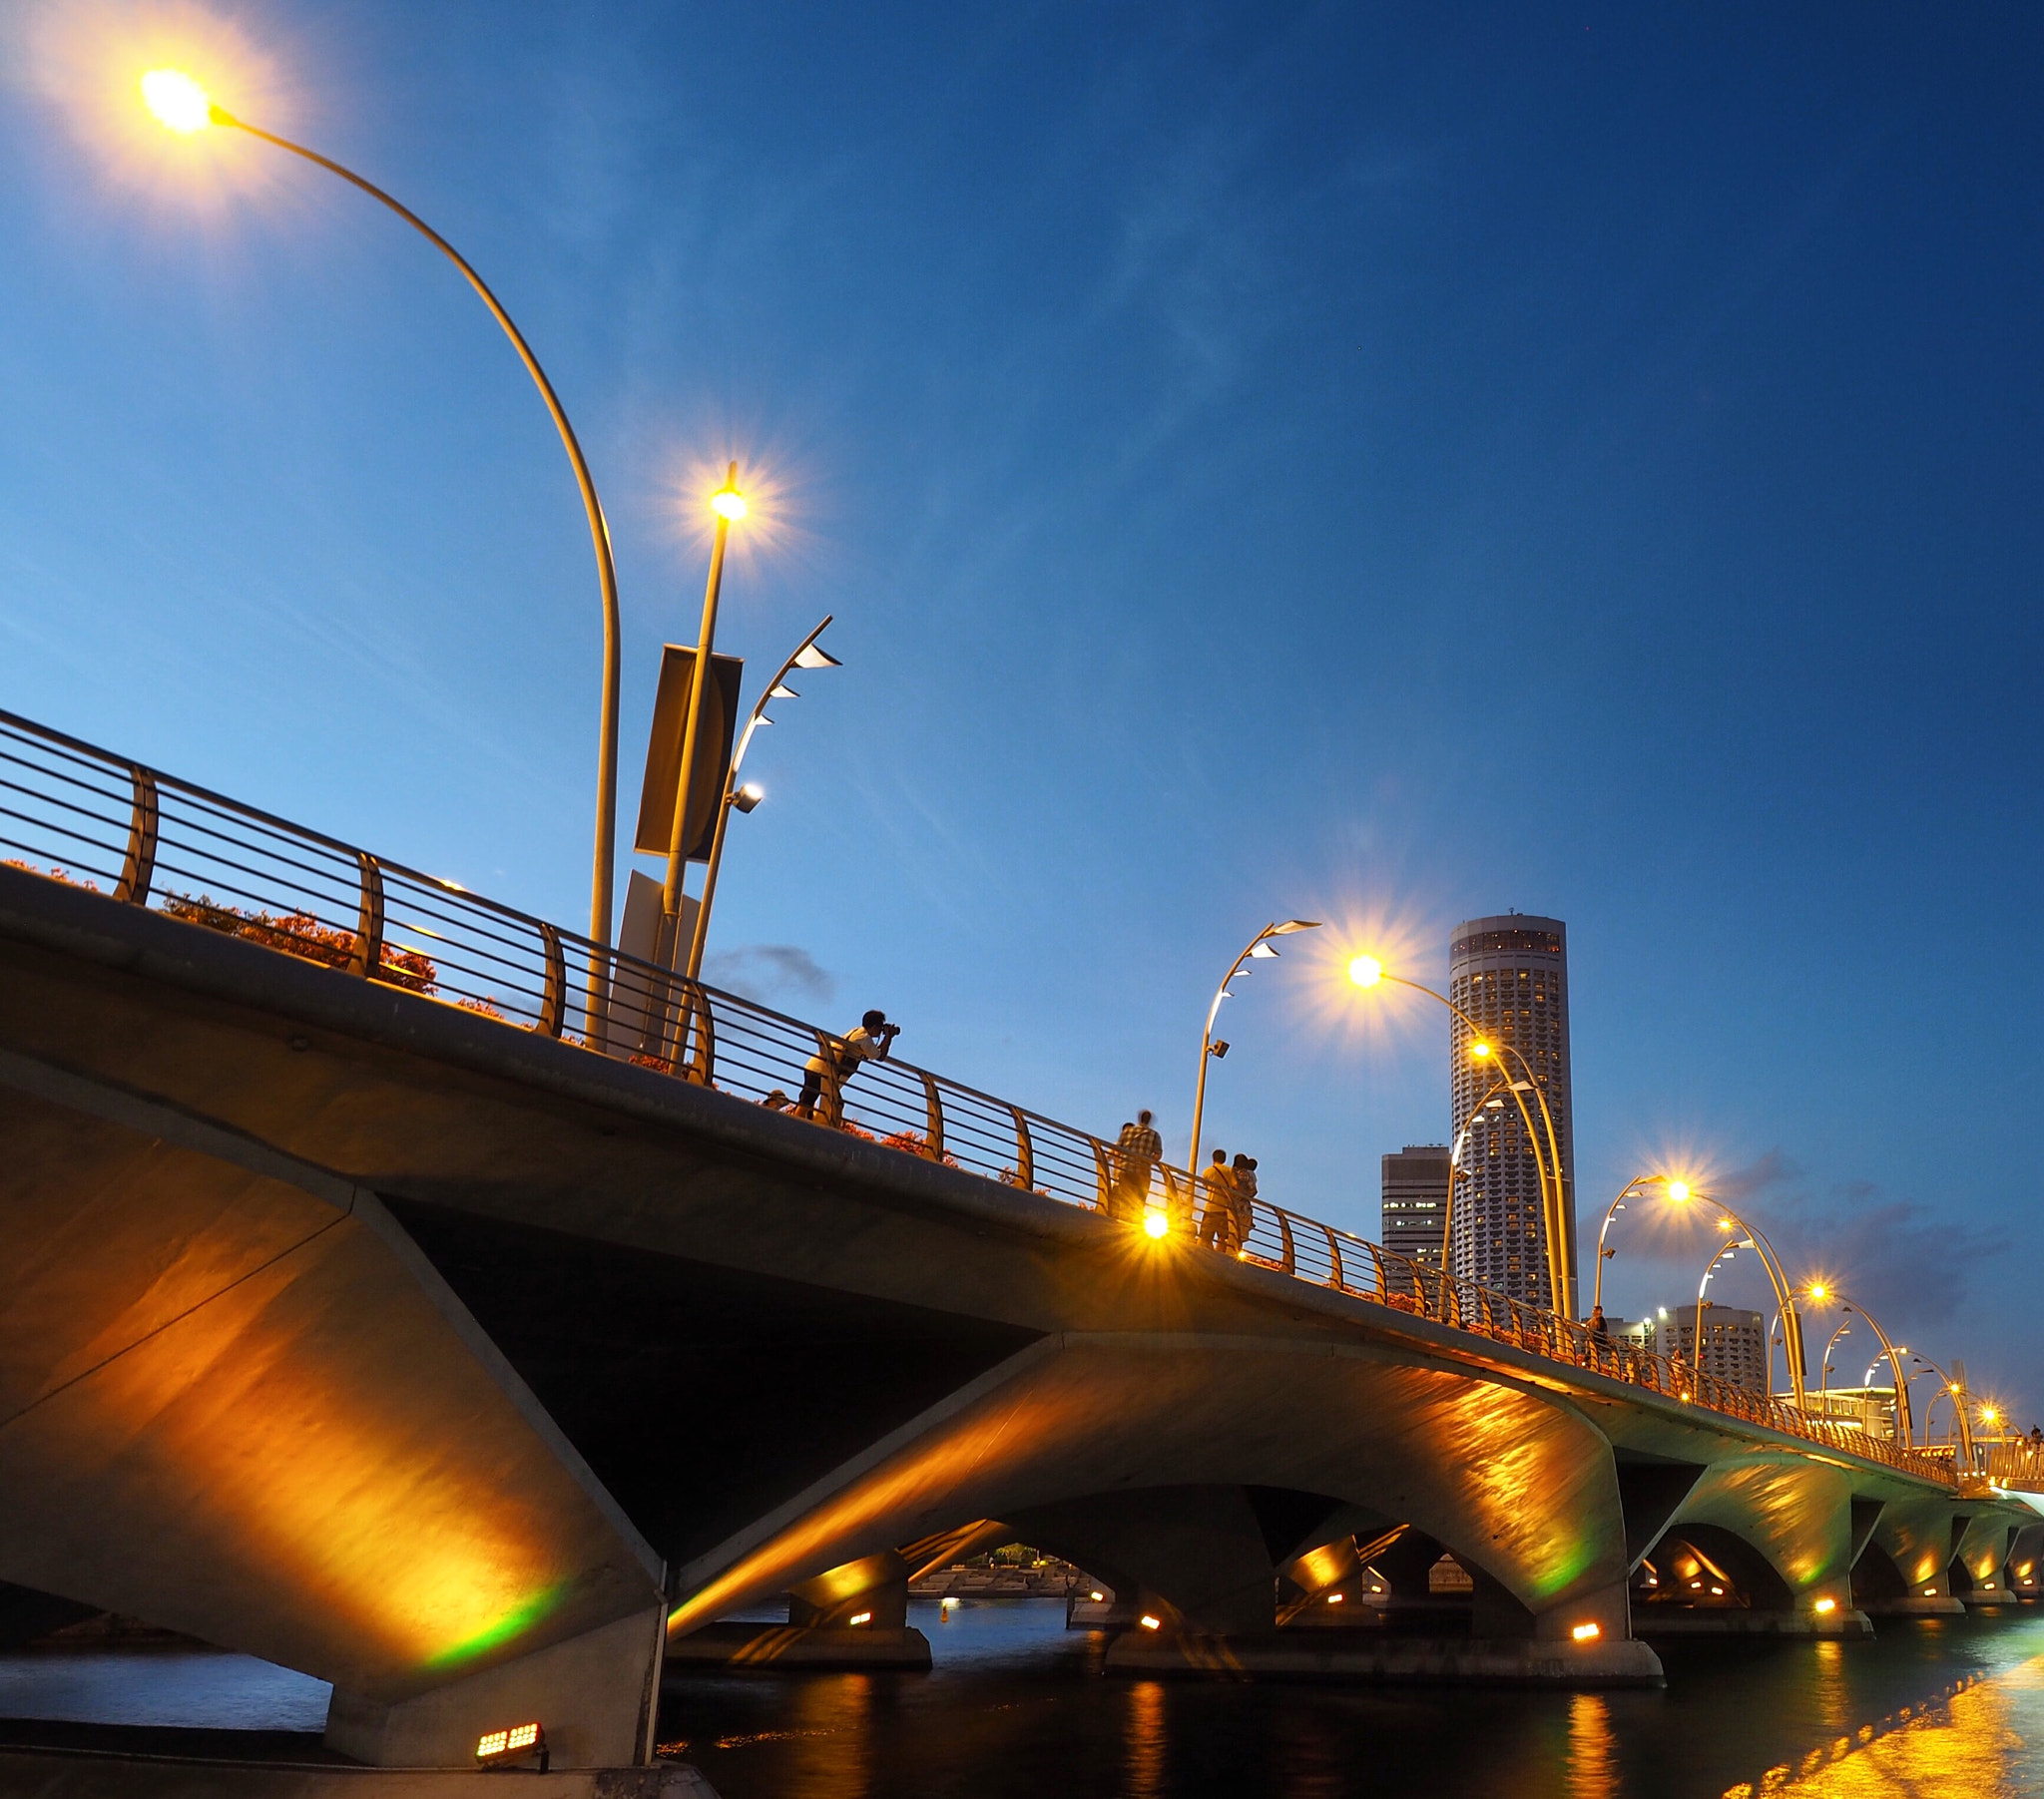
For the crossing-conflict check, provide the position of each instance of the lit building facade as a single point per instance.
(1510, 975)
(1416, 1204)
(1734, 1342)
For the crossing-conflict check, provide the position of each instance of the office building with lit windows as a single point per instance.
(1416, 1204)
(1734, 1345)
(1510, 975)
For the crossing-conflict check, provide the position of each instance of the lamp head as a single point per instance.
(1365, 970)
(1819, 1292)
(1679, 1192)
(748, 796)
(179, 103)
(729, 503)
(1479, 1050)
(1295, 924)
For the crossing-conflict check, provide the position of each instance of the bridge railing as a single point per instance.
(80, 814)
(2017, 1465)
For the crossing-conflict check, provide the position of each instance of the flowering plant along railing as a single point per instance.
(83, 815)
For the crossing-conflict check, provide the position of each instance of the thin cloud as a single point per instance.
(770, 972)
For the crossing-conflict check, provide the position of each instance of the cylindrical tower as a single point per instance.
(1510, 975)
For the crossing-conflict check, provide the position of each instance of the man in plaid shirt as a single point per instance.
(1136, 1154)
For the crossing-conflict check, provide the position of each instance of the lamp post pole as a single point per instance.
(728, 505)
(1825, 1372)
(1784, 1296)
(815, 658)
(1259, 946)
(1611, 1211)
(1710, 1268)
(1368, 971)
(184, 106)
(1958, 1393)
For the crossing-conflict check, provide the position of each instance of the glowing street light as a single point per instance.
(729, 503)
(1677, 1190)
(1260, 949)
(809, 655)
(1370, 972)
(182, 105)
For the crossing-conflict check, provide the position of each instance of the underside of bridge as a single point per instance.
(475, 1373)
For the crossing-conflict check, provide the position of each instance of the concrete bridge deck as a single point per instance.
(470, 1370)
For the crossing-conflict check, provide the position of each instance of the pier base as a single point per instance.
(1916, 1606)
(776, 1647)
(1369, 1657)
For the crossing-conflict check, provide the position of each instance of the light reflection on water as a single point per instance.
(1932, 1709)
(1015, 1709)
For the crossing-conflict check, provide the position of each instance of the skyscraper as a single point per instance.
(1415, 1199)
(1510, 975)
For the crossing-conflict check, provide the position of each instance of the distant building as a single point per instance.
(1734, 1342)
(1510, 975)
(1415, 1201)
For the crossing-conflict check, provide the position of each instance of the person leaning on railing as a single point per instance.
(1216, 1217)
(1137, 1153)
(869, 1043)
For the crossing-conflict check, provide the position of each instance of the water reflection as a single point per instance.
(1593, 1750)
(1143, 1740)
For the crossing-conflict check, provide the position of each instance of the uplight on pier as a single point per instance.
(860, 1618)
(1151, 1623)
(1824, 1606)
(1587, 1632)
(1154, 1223)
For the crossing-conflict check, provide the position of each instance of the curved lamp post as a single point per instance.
(1491, 1102)
(1892, 1352)
(1368, 971)
(744, 799)
(1260, 949)
(1956, 1391)
(1678, 1191)
(181, 105)
(1785, 1294)
(1824, 1369)
(730, 506)
(1722, 1253)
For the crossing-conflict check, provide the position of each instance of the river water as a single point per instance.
(1941, 1708)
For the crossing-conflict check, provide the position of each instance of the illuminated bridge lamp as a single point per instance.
(1824, 1606)
(1586, 1632)
(1096, 1595)
(1679, 1190)
(499, 1749)
(179, 103)
(1151, 1623)
(728, 503)
(859, 1617)
(1155, 1224)
(1333, 1598)
(1365, 970)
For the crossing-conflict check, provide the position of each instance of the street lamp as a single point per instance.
(1785, 1294)
(1678, 1191)
(1825, 1372)
(182, 105)
(1822, 1294)
(1956, 1390)
(1260, 949)
(730, 506)
(1367, 972)
(1722, 1253)
(809, 655)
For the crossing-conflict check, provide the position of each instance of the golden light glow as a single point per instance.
(1678, 1191)
(1989, 1415)
(1155, 1223)
(1826, 1605)
(1365, 970)
(178, 101)
(520, 1739)
(728, 503)
(1479, 1050)
(860, 1618)
(1095, 1597)
(1152, 1623)
(1586, 1632)
(1818, 1291)
(1333, 1598)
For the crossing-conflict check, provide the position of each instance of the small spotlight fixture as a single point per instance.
(1155, 1224)
(1151, 1623)
(1218, 1049)
(499, 1749)
(1823, 1607)
(1096, 1595)
(947, 1605)
(748, 796)
(859, 1617)
(1587, 1632)
(1333, 1598)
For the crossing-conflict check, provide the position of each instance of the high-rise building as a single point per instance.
(1415, 1201)
(1734, 1342)
(1511, 976)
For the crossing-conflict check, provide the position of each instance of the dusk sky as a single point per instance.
(1384, 465)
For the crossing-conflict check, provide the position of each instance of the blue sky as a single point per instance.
(1382, 465)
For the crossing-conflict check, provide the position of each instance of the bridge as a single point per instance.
(411, 1292)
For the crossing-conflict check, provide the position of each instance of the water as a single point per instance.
(1937, 1708)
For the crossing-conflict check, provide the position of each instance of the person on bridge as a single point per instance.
(1242, 1201)
(1217, 1221)
(1137, 1154)
(869, 1043)
(1598, 1328)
